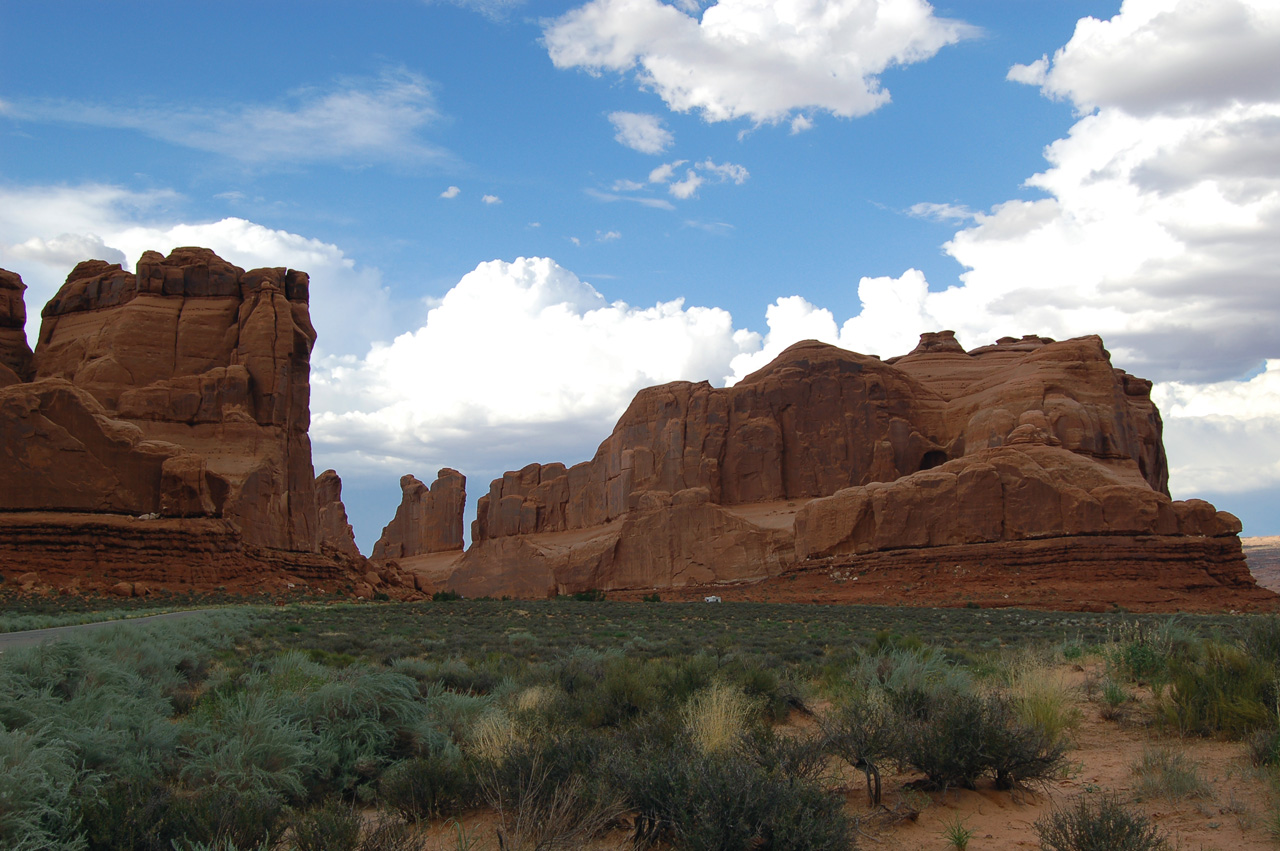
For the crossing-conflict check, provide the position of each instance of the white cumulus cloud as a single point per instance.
(451, 192)
(641, 132)
(520, 361)
(44, 231)
(491, 199)
(754, 59)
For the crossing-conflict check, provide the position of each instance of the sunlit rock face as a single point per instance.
(178, 393)
(826, 456)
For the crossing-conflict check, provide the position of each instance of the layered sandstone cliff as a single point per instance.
(424, 539)
(161, 406)
(825, 457)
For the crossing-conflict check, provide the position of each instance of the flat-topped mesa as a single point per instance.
(15, 355)
(428, 520)
(826, 457)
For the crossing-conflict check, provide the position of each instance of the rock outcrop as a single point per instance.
(178, 394)
(826, 458)
(428, 520)
(336, 534)
(15, 354)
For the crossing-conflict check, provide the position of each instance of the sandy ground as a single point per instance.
(1233, 815)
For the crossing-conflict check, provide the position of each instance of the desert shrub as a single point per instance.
(1262, 639)
(333, 826)
(1264, 747)
(391, 834)
(728, 800)
(38, 783)
(1098, 823)
(216, 817)
(438, 784)
(1221, 691)
(861, 731)
(551, 794)
(130, 812)
(909, 678)
(243, 743)
(1165, 773)
(945, 736)
(1019, 750)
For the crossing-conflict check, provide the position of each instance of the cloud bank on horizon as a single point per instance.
(1157, 226)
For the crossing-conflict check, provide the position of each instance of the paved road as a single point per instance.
(29, 637)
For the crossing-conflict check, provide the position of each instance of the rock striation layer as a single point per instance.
(826, 458)
(171, 403)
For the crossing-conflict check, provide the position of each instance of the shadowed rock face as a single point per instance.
(15, 354)
(336, 533)
(826, 456)
(179, 391)
(429, 520)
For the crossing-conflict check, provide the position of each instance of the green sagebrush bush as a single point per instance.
(38, 783)
(914, 706)
(1098, 823)
(332, 826)
(758, 795)
(103, 704)
(440, 783)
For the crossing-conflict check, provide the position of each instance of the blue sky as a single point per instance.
(517, 214)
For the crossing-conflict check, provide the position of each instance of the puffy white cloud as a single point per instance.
(664, 172)
(801, 123)
(893, 316)
(700, 173)
(44, 231)
(519, 361)
(451, 192)
(1222, 436)
(754, 59)
(687, 188)
(491, 199)
(607, 236)
(357, 121)
(1162, 55)
(725, 171)
(641, 132)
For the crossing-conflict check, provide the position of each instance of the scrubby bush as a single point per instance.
(729, 800)
(1166, 773)
(1222, 690)
(333, 826)
(1098, 823)
(439, 784)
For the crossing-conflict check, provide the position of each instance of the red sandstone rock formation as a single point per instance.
(181, 391)
(336, 534)
(429, 520)
(15, 354)
(827, 457)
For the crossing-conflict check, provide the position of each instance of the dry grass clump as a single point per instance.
(1044, 698)
(716, 717)
(494, 735)
(1163, 772)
